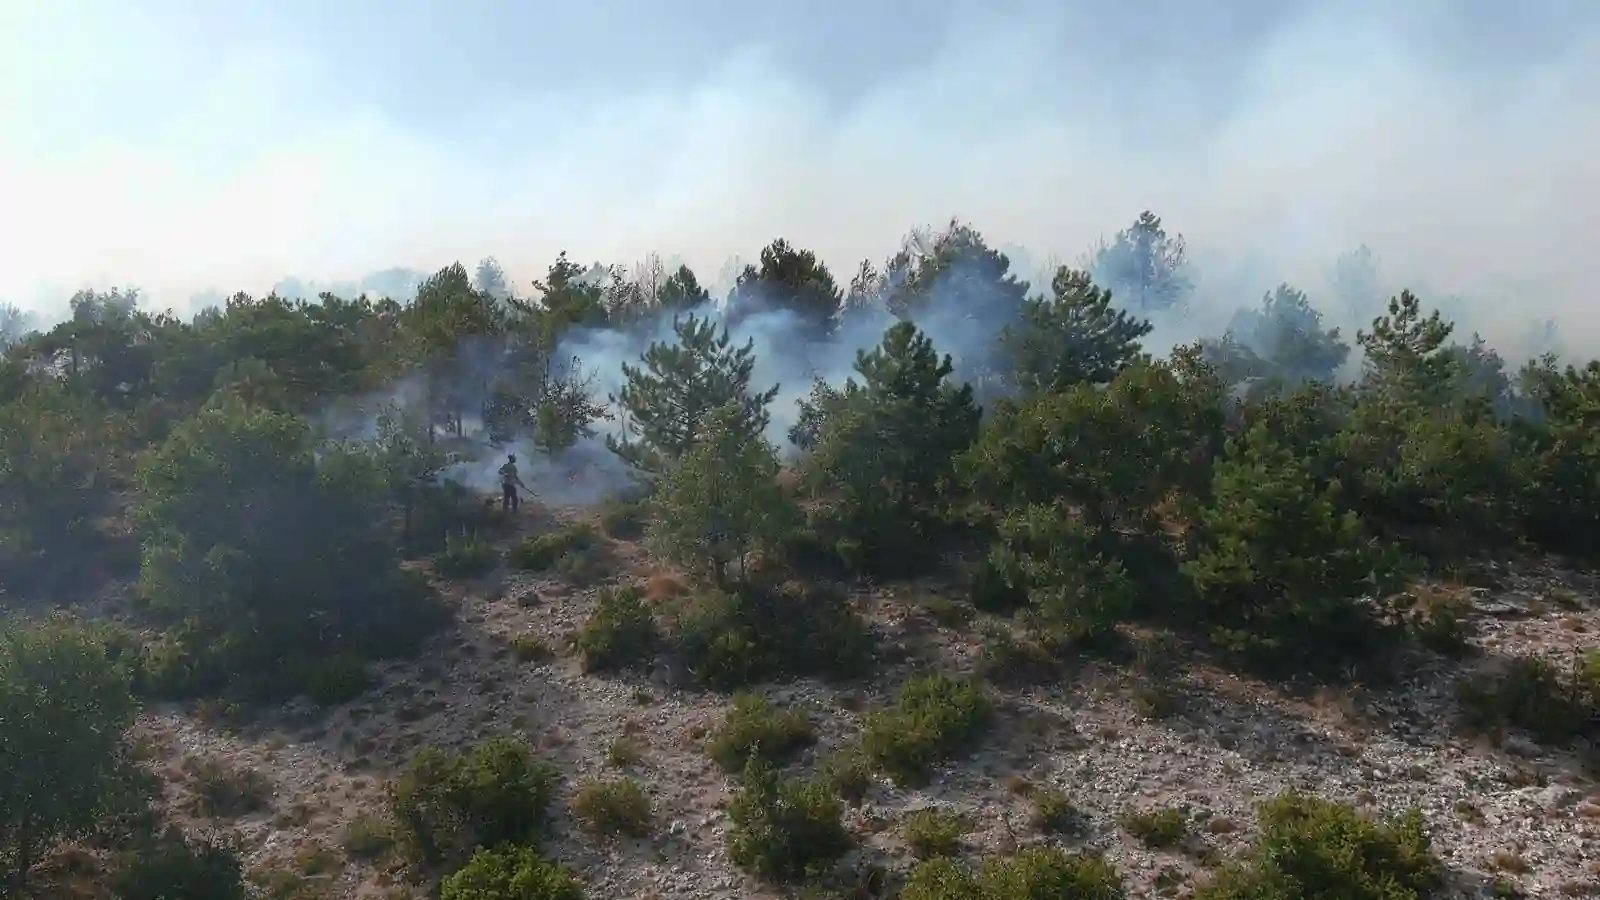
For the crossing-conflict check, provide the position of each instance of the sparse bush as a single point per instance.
(338, 679)
(619, 633)
(613, 808)
(753, 726)
(848, 771)
(730, 639)
(1534, 695)
(623, 518)
(224, 790)
(931, 832)
(530, 647)
(465, 555)
(510, 873)
(933, 718)
(170, 866)
(1032, 874)
(1007, 659)
(1055, 813)
(784, 828)
(445, 804)
(544, 552)
(1158, 829)
(1316, 849)
(368, 838)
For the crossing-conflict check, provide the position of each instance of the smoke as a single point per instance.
(1456, 141)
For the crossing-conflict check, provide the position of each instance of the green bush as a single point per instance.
(931, 832)
(446, 804)
(623, 518)
(544, 552)
(612, 808)
(619, 633)
(848, 772)
(1281, 565)
(1158, 829)
(753, 726)
(1315, 849)
(1033, 874)
(222, 789)
(465, 556)
(1534, 695)
(368, 838)
(933, 718)
(338, 679)
(529, 647)
(1055, 813)
(170, 866)
(510, 873)
(731, 639)
(784, 828)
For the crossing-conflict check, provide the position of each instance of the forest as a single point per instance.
(281, 501)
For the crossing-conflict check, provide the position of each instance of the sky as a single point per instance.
(189, 147)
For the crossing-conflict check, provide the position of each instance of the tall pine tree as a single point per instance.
(1072, 337)
(672, 393)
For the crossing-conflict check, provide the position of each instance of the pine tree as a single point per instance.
(681, 292)
(791, 280)
(722, 500)
(1280, 559)
(883, 449)
(1145, 266)
(1071, 337)
(1287, 340)
(668, 398)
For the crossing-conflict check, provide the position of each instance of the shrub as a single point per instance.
(1531, 694)
(933, 832)
(445, 804)
(1158, 829)
(1280, 563)
(368, 838)
(529, 647)
(613, 808)
(1032, 874)
(224, 790)
(338, 679)
(730, 639)
(623, 519)
(784, 829)
(510, 873)
(543, 552)
(933, 718)
(753, 726)
(65, 707)
(848, 772)
(1055, 813)
(619, 633)
(170, 866)
(1316, 849)
(1012, 660)
(464, 555)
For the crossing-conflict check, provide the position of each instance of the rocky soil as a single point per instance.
(1504, 809)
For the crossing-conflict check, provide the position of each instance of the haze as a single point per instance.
(189, 148)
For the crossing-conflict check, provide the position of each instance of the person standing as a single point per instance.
(510, 481)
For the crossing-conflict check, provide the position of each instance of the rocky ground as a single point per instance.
(1510, 810)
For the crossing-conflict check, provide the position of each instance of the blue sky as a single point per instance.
(188, 146)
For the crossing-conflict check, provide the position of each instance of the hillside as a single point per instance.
(938, 587)
(1509, 811)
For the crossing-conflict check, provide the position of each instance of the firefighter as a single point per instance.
(509, 482)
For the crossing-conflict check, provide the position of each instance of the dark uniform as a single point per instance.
(509, 482)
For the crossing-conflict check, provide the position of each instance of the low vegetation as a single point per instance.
(229, 522)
